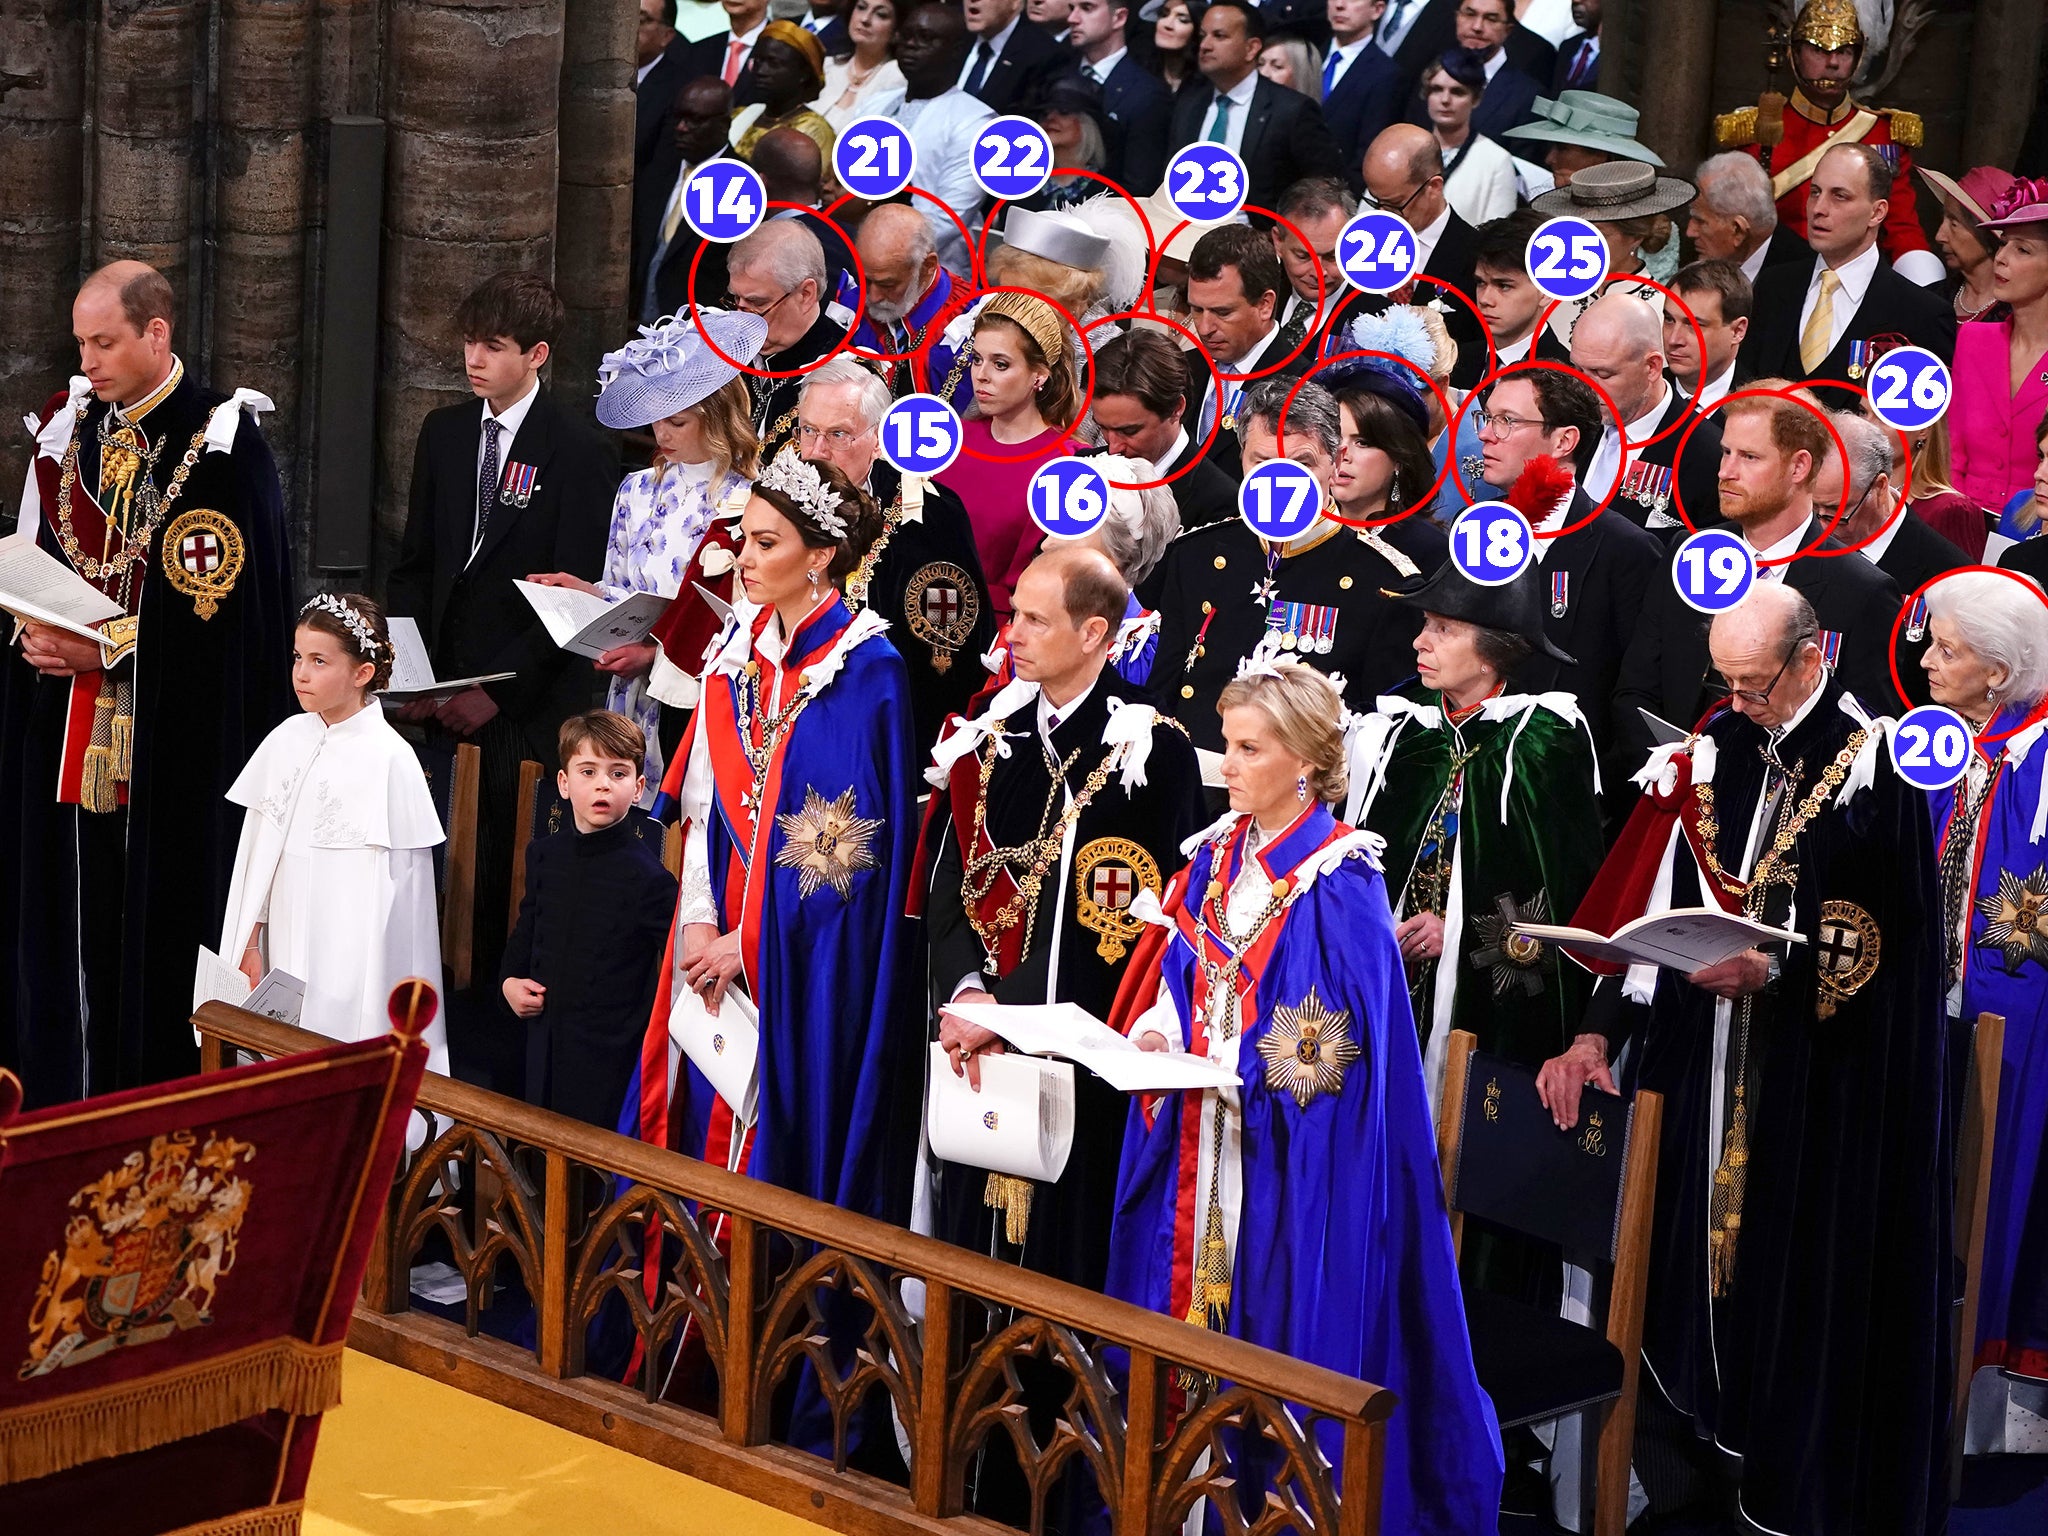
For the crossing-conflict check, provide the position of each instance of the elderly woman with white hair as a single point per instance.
(1988, 661)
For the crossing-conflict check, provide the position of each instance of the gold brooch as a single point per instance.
(1846, 954)
(203, 557)
(1307, 1049)
(1108, 874)
(825, 843)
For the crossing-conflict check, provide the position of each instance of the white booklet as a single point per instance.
(725, 1046)
(36, 585)
(585, 624)
(413, 673)
(1020, 1123)
(1063, 1029)
(280, 995)
(1685, 939)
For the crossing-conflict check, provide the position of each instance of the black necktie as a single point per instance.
(984, 56)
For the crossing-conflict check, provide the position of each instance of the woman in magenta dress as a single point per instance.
(1027, 401)
(2001, 366)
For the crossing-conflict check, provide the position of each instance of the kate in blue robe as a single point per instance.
(2005, 971)
(1344, 1257)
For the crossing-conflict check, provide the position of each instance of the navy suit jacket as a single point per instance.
(1285, 138)
(1366, 100)
(1031, 52)
(654, 101)
(1138, 113)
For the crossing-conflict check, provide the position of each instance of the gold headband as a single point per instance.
(1036, 318)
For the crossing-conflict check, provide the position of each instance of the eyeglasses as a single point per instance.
(838, 437)
(1757, 697)
(749, 306)
(1500, 424)
(1401, 207)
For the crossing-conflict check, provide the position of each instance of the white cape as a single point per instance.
(335, 861)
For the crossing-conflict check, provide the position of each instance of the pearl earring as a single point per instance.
(1301, 788)
(812, 577)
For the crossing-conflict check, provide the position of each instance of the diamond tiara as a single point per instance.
(358, 626)
(799, 480)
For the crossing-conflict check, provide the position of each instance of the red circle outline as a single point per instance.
(1532, 365)
(1791, 393)
(980, 247)
(1543, 320)
(1087, 395)
(1286, 288)
(1905, 475)
(1197, 455)
(1492, 352)
(1436, 485)
(2040, 710)
(974, 260)
(860, 278)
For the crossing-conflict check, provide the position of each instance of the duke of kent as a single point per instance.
(1058, 811)
(116, 752)
(1827, 46)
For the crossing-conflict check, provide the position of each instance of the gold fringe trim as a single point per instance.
(1011, 1196)
(287, 1375)
(271, 1520)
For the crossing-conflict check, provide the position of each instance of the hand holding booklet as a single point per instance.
(1685, 939)
(35, 585)
(1062, 1029)
(584, 624)
(1021, 1122)
(412, 672)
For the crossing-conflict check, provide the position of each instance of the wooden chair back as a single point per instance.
(1977, 1131)
(454, 780)
(542, 812)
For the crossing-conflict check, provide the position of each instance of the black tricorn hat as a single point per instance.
(1515, 609)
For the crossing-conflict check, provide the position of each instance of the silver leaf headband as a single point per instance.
(366, 637)
(799, 480)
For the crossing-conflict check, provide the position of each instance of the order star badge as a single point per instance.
(825, 843)
(1307, 1049)
(2017, 918)
(1514, 958)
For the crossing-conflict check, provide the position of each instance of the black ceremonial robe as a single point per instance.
(1122, 841)
(102, 912)
(1827, 1361)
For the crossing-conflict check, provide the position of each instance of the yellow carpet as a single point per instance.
(405, 1456)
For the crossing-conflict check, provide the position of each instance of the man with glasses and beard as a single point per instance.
(1771, 449)
(909, 298)
(1797, 1320)
(778, 273)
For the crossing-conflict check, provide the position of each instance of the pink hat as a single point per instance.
(2024, 202)
(1977, 191)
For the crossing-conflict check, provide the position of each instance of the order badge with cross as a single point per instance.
(205, 558)
(941, 605)
(1108, 874)
(1846, 953)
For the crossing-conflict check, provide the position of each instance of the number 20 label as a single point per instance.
(1567, 258)
(875, 158)
(1377, 252)
(1012, 158)
(1909, 389)
(1713, 570)
(1931, 747)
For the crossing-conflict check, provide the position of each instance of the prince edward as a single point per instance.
(116, 752)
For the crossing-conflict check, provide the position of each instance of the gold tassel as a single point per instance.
(1731, 1181)
(1770, 126)
(121, 732)
(1011, 1196)
(96, 790)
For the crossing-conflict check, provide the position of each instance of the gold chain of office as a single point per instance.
(133, 547)
(1768, 869)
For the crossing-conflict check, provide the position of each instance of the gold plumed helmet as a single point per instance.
(1828, 24)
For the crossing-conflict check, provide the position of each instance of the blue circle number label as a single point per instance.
(1207, 182)
(1567, 258)
(1491, 543)
(1067, 497)
(1931, 747)
(1377, 252)
(921, 435)
(724, 200)
(875, 158)
(1280, 500)
(1713, 570)
(1012, 157)
(1909, 388)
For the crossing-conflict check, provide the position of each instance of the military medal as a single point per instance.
(1831, 647)
(1560, 593)
(1916, 621)
(519, 485)
(1859, 359)
(1648, 485)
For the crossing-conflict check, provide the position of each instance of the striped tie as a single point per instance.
(1818, 339)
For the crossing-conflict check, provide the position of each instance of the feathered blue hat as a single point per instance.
(1398, 330)
(668, 367)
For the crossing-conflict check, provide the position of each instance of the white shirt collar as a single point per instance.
(1103, 70)
(515, 413)
(1495, 64)
(748, 38)
(1874, 551)
(773, 643)
(1427, 237)
(1753, 263)
(1240, 94)
(1820, 687)
(640, 74)
(1784, 546)
(1515, 351)
(1855, 275)
(1718, 386)
(1180, 446)
(996, 45)
(1249, 361)
(1644, 426)
(1346, 52)
(1049, 718)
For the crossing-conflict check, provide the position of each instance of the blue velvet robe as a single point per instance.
(1344, 1256)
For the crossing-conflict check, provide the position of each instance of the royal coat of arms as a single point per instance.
(146, 1253)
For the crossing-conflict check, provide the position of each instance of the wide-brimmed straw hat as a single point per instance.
(668, 367)
(1979, 189)
(1589, 120)
(1618, 190)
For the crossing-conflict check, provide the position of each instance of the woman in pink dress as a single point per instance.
(2001, 366)
(1027, 402)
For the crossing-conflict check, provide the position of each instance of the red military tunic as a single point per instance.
(1809, 132)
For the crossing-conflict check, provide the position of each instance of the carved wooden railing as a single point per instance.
(1160, 1414)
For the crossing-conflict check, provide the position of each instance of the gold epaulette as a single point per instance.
(1907, 127)
(1732, 130)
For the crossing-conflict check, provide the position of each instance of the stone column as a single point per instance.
(1670, 56)
(2005, 56)
(594, 209)
(472, 102)
(144, 145)
(42, 106)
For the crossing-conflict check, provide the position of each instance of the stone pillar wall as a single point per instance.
(144, 147)
(594, 197)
